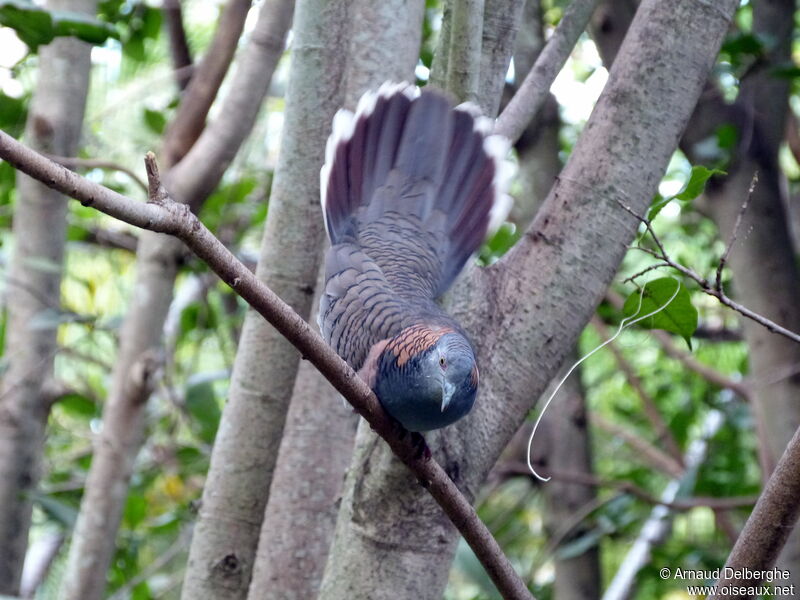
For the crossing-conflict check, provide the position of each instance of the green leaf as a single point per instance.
(785, 71)
(56, 509)
(135, 509)
(36, 26)
(78, 405)
(12, 114)
(659, 202)
(155, 120)
(697, 182)
(727, 136)
(151, 22)
(141, 591)
(201, 402)
(188, 456)
(83, 27)
(33, 25)
(500, 243)
(672, 301)
(691, 190)
(743, 43)
(134, 49)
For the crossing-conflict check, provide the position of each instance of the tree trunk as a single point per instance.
(501, 20)
(318, 436)
(225, 538)
(538, 146)
(33, 289)
(529, 308)
(193, 179)
(569, 451)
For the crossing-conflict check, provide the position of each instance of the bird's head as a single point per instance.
(427, 378)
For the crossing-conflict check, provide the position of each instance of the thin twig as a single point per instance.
(734, 233)
(705, 285)
(708, 373)
(577, 478)
(95, 163)
(164, 215)
(644, 271)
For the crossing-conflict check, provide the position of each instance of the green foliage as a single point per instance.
(78, 405)
(691, 190)
(500, 243)
(201, 403)
(37, 26)
(155, 120)
(671, 303)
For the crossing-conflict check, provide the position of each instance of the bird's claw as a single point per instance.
(422, 450)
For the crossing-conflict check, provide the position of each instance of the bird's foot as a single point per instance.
(421, 446)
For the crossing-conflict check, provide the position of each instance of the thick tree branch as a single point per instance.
(534, 89)
(163, 215)
(464, 66)
(178, 45)
(190, 118)
(770, 523)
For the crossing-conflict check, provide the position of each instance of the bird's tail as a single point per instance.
(410, 157)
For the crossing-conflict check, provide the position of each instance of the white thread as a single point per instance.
(624, 324)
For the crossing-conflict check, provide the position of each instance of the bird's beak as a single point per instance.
(448, 389)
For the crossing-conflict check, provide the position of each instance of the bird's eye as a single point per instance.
(442, 362)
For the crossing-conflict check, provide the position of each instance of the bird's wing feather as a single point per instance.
(358, 307)
(415, 183)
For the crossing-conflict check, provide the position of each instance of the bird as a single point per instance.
(410, 188)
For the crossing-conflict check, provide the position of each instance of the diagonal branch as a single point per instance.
(190, 119)
(534, 89)
(162, 214)
(768, 527)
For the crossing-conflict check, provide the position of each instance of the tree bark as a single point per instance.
(225, 538)
(501, 21)
(318, 436)
(538, 146)
(33, 286)
(529, 308)
(192, 180)
(178, 45)
(464, 64)
(190, 118)
(768, 526)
